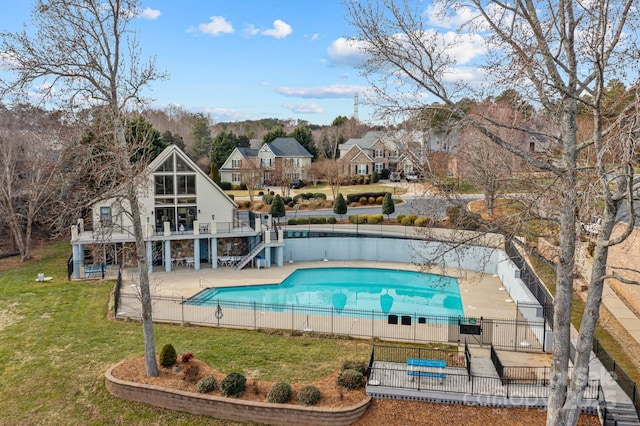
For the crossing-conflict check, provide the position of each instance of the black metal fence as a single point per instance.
(117, 292)
(388, 368)
(400, 354)
(619, 375)
(530, 279)
(507, 334)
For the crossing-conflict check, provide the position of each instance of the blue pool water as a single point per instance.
(385, 290)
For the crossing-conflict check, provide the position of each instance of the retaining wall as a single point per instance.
(230, 408)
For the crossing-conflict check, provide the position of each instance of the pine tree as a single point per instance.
(387, 205)
(277, 206)
(340, 205)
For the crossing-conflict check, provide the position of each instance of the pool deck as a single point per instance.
(482, 294)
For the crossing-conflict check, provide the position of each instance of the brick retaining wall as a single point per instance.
(230, 408)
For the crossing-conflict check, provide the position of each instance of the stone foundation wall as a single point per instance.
(230, 408)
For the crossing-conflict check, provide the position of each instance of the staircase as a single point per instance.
(621, 415)
(249, 257)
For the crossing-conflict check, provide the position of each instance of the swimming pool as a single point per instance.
(369, 289)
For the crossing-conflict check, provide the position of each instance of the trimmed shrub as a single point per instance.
(234, 384)
(225, 186)
(260, 193)
(320, 195)
(168, 355)
(372, 220)
(206, 384)
(351, 379)
(375, 177)
(292, 221)
(379, 216)
(422, 221)
(280, 393)
(453, 213)
(303, 221)
(412, 217)
(267, 199)
(400, 217)
(186, 357)
(309, 395)
(360, 366)
(291, 204)
(385, 174)
(407, 221)
(331, 220)
(191, 373)
(258, 206)
(287, 200)
(367, 180)
(243, 186)
(354, 198)
(379, 200)
(363, 201)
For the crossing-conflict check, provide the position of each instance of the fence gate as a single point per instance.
(476, 331)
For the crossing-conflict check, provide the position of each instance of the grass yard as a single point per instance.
(56, 343)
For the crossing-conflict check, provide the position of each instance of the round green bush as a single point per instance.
(360, 366)
(400, 217)
(372, 220)
(267, 199)
(363, 201)
(331, 220)
(292, 221)
(258, 206)
(206, 384)
(379, 200)
(280, 393)
(407, 221)
(168, 355)
(351, 379)
(320, 195)
(234, 384)
(308, 395)
(371, 200)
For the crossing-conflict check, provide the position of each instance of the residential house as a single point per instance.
(188, 221)
(397, 151)
(284, 159)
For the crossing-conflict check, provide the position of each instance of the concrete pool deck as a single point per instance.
(482, 294)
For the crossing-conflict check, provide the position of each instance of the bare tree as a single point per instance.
(88, 52)
(28, 183)
(331, 171)
(553, 53)
(252, 175)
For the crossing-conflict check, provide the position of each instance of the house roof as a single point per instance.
(288, 147)
(247, 152)
(367, 141)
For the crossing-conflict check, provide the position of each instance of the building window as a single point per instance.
(236, 163)
(266, 177)
(186, 184)
(266, 162)
(236, 177)
(362, 169)
(379, 167)
(105, 215)
(164, 185)
(378, 153)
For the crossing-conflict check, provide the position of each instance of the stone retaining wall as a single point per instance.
(230, 408)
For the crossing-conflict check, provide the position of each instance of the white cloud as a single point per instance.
(250, 30)
(440, 16)
(149, 13)
(280, 29)
(345, 52)
(322, 92)
(312, 37)
(304, 108)
(217, 25)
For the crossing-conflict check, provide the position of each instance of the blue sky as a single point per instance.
(245, 59)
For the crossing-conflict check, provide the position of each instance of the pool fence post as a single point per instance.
(292, 320)
(332, 320)
(182, 310)
(372, 328)
(255, 318)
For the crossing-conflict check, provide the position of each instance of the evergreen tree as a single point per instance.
(277, 207)
(274, 134)
(214, 174)
(305, 137)
(340, 205)
(388, 207)
(201, 134)
(222, 146)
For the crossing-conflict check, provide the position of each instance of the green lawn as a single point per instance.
(56, 343)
